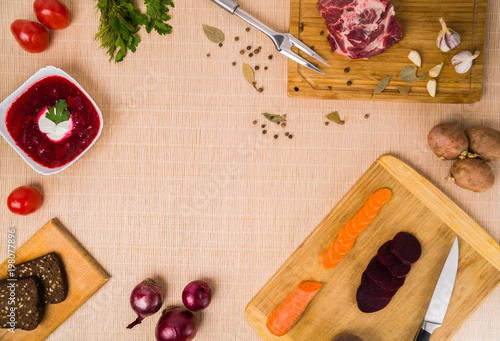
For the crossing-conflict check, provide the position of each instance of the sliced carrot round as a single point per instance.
(345, 237)
(327, 262)
(382, 195)
(370, 212)
(334, 255)
(310, 286)
(342, 249)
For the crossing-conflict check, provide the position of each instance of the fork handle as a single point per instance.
(228, 5)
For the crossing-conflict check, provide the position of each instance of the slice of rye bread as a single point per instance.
(50, 271)
(28, 304)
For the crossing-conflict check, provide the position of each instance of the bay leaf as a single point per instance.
(274, 118)
(382, 85)
(248, 73)
(408, 74)
(214, 34)
(404, 90)
(424, 76)
(334, 117)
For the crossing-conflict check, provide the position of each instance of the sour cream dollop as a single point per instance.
(55, 132)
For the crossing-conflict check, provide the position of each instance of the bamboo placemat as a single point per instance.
(181, 185)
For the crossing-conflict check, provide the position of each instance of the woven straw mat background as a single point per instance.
(181, 185)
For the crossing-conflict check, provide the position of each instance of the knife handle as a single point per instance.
(228, 5)
(422, 335)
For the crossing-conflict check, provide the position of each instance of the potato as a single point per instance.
(448, 140)
(485, 142)
(473, 174)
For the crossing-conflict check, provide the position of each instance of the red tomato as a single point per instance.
(52, 13)
(32, 36)
(24, 200)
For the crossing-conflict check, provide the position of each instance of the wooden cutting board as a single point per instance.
(417, 207)
(85, 277)
(419, 20)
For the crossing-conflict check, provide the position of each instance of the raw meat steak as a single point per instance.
(360, 28)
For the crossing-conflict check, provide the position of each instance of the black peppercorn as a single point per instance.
(220, 44)
(346, 70)
(249, 47)
(236, 38)
(270, 57)
(264, 131)
(247, 29)
(349, 83)
(257, 67)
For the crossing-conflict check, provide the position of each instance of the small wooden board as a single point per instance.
(420, 28)
(85, 277)
(417, 207)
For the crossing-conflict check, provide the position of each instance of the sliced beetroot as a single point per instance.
(396, 267)
(371, 289)
(406, 248)
(370, 304)
(381, 276)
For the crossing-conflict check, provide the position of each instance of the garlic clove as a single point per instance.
(436, 70)
(432, 87)
(414, 56)
(463, 61)
(447, 39)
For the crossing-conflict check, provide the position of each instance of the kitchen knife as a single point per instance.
(441, 296)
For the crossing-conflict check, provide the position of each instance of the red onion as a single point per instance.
(197, 295)
(176, 324)
(146, 299)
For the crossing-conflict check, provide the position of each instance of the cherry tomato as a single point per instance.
(32, 36)
(52, 13)
(24, 200)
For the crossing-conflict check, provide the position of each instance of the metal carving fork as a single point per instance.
(283, 41)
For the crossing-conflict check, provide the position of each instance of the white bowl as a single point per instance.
(5, 105)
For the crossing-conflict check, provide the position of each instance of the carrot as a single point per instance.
(283, 318)
(347, 236)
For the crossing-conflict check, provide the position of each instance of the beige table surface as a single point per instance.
(181, 185)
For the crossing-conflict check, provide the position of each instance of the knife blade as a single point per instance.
(441, 297)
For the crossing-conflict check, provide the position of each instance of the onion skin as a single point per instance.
(176, 324)
(146, 299)
(197, 295)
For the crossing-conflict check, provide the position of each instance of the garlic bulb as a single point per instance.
(432, 87)
(447, 39)
(414, 56)
(463, 61)
(436, 70)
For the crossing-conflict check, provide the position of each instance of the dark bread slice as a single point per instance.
(28, 304)
(50, 272)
